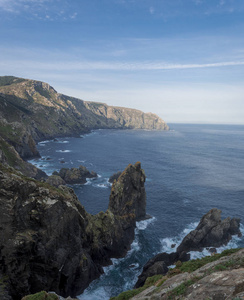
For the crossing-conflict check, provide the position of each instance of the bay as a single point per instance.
(190, 169)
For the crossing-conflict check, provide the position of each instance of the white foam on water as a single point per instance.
(44, 142)
(63, 142)
(168, 242)
(101, 185)
(142, 225)
(63, 151)
(88, 181)
(97, 294)
(82, 161)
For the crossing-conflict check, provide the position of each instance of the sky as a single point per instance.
(180, 59)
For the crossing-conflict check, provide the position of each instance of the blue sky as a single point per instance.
(181, 59)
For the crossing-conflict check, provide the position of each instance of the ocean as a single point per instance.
(190, 169)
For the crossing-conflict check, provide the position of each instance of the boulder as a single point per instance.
(55, 180)
(159, 265)
(210, 232)
(75, 175)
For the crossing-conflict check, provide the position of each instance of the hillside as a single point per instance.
(31, 111)
(213, 277)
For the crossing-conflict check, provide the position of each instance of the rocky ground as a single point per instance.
(221, 277)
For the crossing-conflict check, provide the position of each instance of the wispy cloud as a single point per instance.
(48, 10)
(119, 66)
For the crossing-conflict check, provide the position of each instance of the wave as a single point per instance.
(142, 225)
(170, 244)
(62, 142)
(101, 185)
(44, 142)
(63, 151)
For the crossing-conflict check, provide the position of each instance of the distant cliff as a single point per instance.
(31, 111)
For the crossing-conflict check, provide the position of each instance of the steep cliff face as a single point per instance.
(49, 242)
(128, 118)
(31, 111)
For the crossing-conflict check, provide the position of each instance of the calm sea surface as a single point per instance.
(190, 169)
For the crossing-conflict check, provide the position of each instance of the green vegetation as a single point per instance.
(11, 157)
(152, 280)
(129, 294)
(181, 289)
(189, 266)
(7, 80)
(192, 265)
(41, 296)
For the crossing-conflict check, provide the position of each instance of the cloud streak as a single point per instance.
(117, 66)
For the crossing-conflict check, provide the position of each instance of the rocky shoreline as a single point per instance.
(51, 243)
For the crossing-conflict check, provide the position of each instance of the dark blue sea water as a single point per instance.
(190, 169)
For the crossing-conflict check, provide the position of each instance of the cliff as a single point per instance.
(31, 111)
(49, 242)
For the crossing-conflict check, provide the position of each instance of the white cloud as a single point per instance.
(114, 66)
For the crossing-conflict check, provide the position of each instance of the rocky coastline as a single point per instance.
(32, 111)
(49, 242)
(210, 232)
(47, 239)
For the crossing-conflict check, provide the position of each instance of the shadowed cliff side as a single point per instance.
(31, 111)
(49, 242)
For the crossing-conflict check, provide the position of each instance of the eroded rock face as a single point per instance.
(210, 232)
(115, 176)
(49, 242)
(128, 193)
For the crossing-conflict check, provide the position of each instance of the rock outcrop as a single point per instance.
(223, 278)
(75, 175)
(49, 242)
(115, 176)
(159, 265)
(210, 232)
(128, 193)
